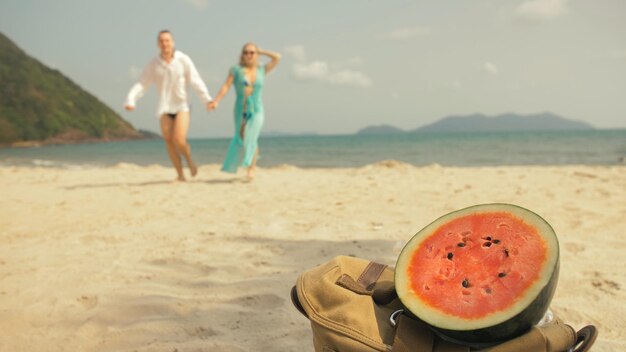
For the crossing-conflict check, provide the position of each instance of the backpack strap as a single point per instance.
(366, 282)
(382, 292)
(554, 337)
(371, 274)
(296, 301)
(585, 338)
(412, 335)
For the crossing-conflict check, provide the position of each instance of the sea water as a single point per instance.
(593, 147)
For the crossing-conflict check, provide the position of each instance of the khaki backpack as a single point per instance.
(352, 306)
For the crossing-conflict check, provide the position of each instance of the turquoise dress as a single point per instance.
(241, 151)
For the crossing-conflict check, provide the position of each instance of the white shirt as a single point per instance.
(171, 81)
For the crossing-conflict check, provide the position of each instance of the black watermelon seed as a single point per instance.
(450, 255)
(496, 241)
(487, 244)
(506, 252)
(465, 283)
(502, 275)
(488, 238)
(461, 244)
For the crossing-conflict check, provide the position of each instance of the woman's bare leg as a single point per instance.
(242, 134)
(252, 167)
(242, 129)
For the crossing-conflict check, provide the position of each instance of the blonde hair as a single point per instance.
(241, 57)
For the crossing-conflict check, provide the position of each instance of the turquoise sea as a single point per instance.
(594, 147)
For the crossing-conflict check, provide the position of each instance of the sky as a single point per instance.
(346, 64)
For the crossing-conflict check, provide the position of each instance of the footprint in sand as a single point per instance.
(584, 174)
(267, 301)
(182, 266)
(604, 285)
(574, 248)
(276, 250)
(88, 301)
(201, 332)
(604, 193)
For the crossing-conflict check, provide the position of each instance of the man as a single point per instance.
(171, 72)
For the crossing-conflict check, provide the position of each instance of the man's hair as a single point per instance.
(163, 31)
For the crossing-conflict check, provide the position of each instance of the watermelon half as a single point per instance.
(480, 275)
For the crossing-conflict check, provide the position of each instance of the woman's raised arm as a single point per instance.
(275, 59)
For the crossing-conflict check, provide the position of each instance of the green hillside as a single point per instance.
(41, 104)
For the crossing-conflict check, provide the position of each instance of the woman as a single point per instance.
(248, 78)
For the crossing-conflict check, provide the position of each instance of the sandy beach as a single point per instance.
(121, 259)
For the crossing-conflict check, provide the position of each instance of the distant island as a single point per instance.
(287, 134)
(39, 105)
(149, 134)
(481, 123)
(380, 129)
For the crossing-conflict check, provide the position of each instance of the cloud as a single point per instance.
(349, 77)
(321, 71)
(405, 33)
(198, 4)
(314, 70)
(490, 68)
(456, 84)
(541, 10)
(353, 61)
(336, 74)
(134, 72)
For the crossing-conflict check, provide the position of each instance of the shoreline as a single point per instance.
(33, 144)
(388, 163)
(598, 148)
(147, 134)
(120, 258)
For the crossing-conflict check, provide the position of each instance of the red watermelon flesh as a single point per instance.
(471, 266)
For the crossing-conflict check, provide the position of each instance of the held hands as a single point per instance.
(212, 105)
(129, 107)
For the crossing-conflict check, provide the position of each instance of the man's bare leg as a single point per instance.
(181, 126)
(167, 127)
